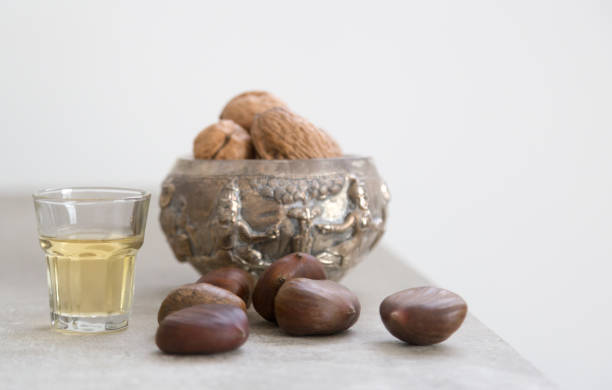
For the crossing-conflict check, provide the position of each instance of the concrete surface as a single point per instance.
(32, 356)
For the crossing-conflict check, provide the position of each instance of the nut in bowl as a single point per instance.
(248, 213)
(266, 182)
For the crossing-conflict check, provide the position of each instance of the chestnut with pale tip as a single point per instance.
(235, 280)
(291, 266)
(203, 329)
(195, 294)
(423, 315)
(306, 307)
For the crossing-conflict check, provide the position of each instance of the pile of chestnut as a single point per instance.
(209, 316)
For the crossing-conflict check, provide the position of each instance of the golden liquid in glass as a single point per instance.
(91, 277)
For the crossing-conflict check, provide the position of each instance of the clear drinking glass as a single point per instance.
(90, 237)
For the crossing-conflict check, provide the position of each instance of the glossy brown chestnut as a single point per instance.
(202, 329)
(233, 279)
(295, 265)
(195, 294)
(315, 307)
(423, 315)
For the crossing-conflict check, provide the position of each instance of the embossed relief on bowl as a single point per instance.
(251, 220)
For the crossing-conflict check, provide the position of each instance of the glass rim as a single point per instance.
(121, 194)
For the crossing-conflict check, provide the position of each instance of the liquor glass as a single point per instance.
(90, 236)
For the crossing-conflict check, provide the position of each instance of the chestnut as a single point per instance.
(423, 315)
(203, 329)
(315, 307)
(233, 279)
(291, 266)
(194, 294)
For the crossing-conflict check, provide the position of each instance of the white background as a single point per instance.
(491, 122)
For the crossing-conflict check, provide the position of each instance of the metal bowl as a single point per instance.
(248, 213)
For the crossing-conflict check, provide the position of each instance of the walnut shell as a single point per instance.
(279, 134)
(243, 108)
(224, 140)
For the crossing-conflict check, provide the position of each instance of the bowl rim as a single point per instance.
(188, 166)
(347, 157)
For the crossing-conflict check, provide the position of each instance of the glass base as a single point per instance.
(89, 324)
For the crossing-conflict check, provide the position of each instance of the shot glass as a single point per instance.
(90, 236)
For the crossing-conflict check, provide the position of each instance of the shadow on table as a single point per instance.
(399, 349)
(274, 335)
(217, 357)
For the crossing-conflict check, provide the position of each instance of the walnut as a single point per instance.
(224, 140)
(280, 134)
(243, 108)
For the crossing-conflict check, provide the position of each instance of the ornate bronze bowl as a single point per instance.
(248, 213)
